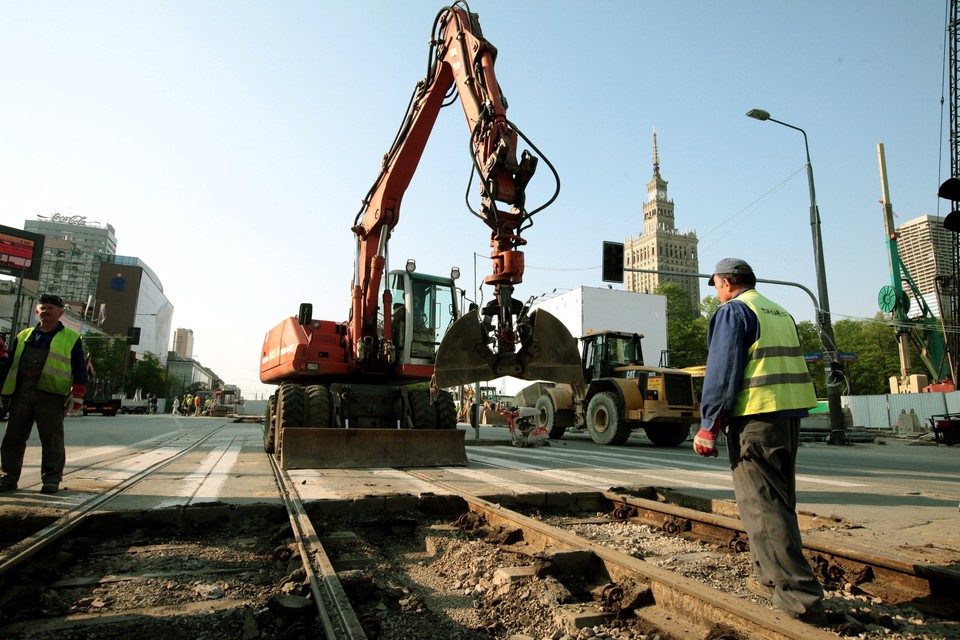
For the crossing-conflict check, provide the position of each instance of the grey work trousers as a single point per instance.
(29, 405)
(763, 454)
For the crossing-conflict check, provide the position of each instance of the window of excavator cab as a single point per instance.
(433, 313)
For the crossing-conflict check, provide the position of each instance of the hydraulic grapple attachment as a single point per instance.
(537, 347)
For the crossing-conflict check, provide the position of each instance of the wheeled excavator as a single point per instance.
(370, 391)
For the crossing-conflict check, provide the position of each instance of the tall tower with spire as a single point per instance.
(661, 247)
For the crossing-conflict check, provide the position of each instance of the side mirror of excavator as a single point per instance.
(305, 315)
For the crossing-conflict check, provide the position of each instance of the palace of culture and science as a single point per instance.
(661, 247)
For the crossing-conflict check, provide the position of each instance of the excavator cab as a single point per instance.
(424, 308)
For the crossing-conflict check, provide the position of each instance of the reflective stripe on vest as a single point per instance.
(57, 373)
(776, 376)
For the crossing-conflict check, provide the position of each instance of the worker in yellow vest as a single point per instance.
(44, 376)
(756, 389)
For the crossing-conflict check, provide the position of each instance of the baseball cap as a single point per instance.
(49, 298)
(732, 266)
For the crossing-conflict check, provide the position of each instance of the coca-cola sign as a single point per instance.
(59, 217)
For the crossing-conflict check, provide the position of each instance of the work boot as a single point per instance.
(814, 618)
(50, 489)
(757, 588)
(7, 486)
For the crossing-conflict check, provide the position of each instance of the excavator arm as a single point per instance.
(504, 339)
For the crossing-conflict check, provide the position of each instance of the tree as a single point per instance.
(709, 306)
(875, 343)
(106, 355)
(686, 331)
(147, 375)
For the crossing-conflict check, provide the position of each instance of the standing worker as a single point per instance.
(757, 389)
(45, 376)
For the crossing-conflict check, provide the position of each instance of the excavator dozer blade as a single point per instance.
(550, 353)
(311, 448)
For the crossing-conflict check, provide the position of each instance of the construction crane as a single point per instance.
(922, 329)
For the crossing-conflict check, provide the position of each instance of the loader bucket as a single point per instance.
(550, 353)
(312, 448)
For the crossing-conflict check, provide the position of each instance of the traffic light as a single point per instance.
(612, 262)
(133, 335)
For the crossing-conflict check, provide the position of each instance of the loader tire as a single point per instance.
(423, 413)
(475, 410)
(605, 421)
(317, 406)
(270, 427)
(555, 422)
(667, 434)
(446, 411)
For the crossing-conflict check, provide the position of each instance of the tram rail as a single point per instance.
(894, 580)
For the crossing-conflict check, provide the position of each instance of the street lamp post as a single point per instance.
(831, 363)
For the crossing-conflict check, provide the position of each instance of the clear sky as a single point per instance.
(230, 142)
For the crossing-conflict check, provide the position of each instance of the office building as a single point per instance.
(926, 250)
(72, 253)
(183, 343)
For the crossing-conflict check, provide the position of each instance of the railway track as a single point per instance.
(297, 575)
(895, 581)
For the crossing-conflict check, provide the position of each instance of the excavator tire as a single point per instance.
(317, 406)
(446, 411)
(423, 414)
(605, 421)
(667, 434)
(269, 427)
(290, 412)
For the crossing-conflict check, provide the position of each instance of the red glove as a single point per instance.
(705, 443)
(74, 401)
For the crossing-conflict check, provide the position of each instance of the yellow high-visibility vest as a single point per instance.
(57, 374)
(776, 376)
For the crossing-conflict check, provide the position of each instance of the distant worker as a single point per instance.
(45, 375)
(175, 410)
(757, 389)
(197, 404)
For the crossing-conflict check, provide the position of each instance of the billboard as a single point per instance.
(20, 253)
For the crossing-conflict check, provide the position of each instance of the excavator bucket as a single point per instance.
(549, 353)
(311, 448)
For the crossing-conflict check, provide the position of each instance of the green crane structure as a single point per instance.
(923, 329)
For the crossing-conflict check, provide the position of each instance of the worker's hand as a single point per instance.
(705, 443)
(74, 401)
